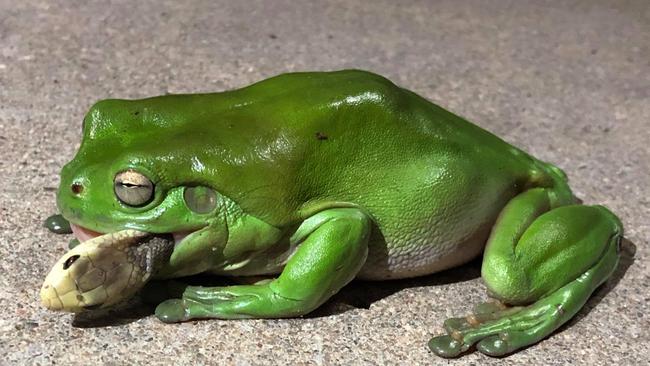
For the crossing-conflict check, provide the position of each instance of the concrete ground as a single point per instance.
(569, 81)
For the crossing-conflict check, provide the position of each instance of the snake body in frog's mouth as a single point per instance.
(83, 234)
(105, 269)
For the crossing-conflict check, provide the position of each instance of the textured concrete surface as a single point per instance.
(568, 81)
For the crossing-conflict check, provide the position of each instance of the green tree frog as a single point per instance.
(315, 179)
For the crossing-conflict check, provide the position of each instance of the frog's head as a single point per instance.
(137, 168)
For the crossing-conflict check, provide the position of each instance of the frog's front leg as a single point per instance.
(545, 256)
(333, 246)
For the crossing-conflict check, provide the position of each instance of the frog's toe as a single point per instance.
(509, 341)
(173, 311)
(446, 346)
(456, 324)
(491, 335)
(489, 307)
(497, 345)
(483, 313)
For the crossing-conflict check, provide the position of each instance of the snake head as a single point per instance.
(104, 271)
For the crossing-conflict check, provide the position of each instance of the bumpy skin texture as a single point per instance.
(324, 177)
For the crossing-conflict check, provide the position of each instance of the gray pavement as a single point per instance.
(569, 81)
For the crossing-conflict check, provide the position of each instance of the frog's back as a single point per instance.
(433, 182)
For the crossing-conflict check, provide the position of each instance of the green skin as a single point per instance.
(326, 177)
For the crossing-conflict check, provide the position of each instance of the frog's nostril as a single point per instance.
(77, 188)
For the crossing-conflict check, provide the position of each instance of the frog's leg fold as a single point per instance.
(547, 259)
(333, 246)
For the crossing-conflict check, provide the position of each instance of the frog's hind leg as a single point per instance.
(545, 259)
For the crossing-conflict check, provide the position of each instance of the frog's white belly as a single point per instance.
(421, 253)
(412, 253)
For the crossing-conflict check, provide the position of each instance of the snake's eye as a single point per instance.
(133, 188)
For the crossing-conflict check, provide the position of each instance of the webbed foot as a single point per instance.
(500, 331)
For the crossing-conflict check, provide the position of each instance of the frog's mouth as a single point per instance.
(84, 234)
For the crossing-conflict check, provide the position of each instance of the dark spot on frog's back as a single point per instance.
(321, 136)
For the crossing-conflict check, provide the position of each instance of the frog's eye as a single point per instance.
(133, 188)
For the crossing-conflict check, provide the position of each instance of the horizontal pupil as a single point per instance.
(130, 185)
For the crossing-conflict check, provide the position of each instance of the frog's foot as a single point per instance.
(333, 247)
(503, 330)
(232, 302)
(549, 258)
